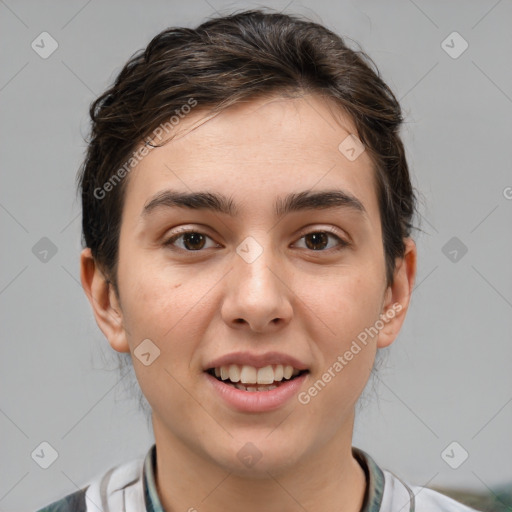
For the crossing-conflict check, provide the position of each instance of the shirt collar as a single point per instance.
(372, 497)
(374, 481)
(151, 498)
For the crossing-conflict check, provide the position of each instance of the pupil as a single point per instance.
(316, 238)
(192, 239)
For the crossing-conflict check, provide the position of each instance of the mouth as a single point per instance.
(252, 379)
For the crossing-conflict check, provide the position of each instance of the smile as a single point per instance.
(263, 379)
(254, 390)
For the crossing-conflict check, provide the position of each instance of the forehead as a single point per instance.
(256, 151)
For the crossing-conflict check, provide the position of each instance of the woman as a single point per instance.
(247, 217)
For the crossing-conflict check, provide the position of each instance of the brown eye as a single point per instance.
(316, 241)
(190, 241)
(193, 241)
(319, 241)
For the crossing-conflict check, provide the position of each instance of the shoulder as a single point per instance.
(428, 499)
(74, 502)
(112, 489)
(420, 499)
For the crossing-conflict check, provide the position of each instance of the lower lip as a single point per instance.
(257, 401)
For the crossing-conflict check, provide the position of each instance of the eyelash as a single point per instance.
(342, 244)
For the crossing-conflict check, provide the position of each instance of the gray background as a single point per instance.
(446, 378)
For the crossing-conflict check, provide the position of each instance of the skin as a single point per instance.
(198, 305)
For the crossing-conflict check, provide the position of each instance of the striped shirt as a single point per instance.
(131, 487)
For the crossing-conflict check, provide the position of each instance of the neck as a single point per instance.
(328, 479)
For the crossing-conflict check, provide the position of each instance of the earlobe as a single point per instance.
(104, 303)
(398, 295)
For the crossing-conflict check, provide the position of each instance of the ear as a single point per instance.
(104, 302)
(398, 295)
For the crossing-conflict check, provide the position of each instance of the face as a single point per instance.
(278, 280)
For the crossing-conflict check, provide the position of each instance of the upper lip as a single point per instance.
(256, 360)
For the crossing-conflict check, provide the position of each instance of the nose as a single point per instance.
(258, 295)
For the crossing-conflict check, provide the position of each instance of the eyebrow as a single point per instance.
(297, 201)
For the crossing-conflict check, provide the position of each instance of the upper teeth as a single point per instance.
(251, 375)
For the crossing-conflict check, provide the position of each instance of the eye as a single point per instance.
(319, 240)
(192, 240)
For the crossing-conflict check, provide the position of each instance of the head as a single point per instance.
(252, 122)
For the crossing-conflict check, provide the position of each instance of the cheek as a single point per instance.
(167, 312)
(347, 311)
(156, 299)
(345, 305)
(173, 311)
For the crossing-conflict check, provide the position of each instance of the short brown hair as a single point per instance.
(224, 61)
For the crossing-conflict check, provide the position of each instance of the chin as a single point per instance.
(259, 458)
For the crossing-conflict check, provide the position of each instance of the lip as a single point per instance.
(256, 360)
(256, 401)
